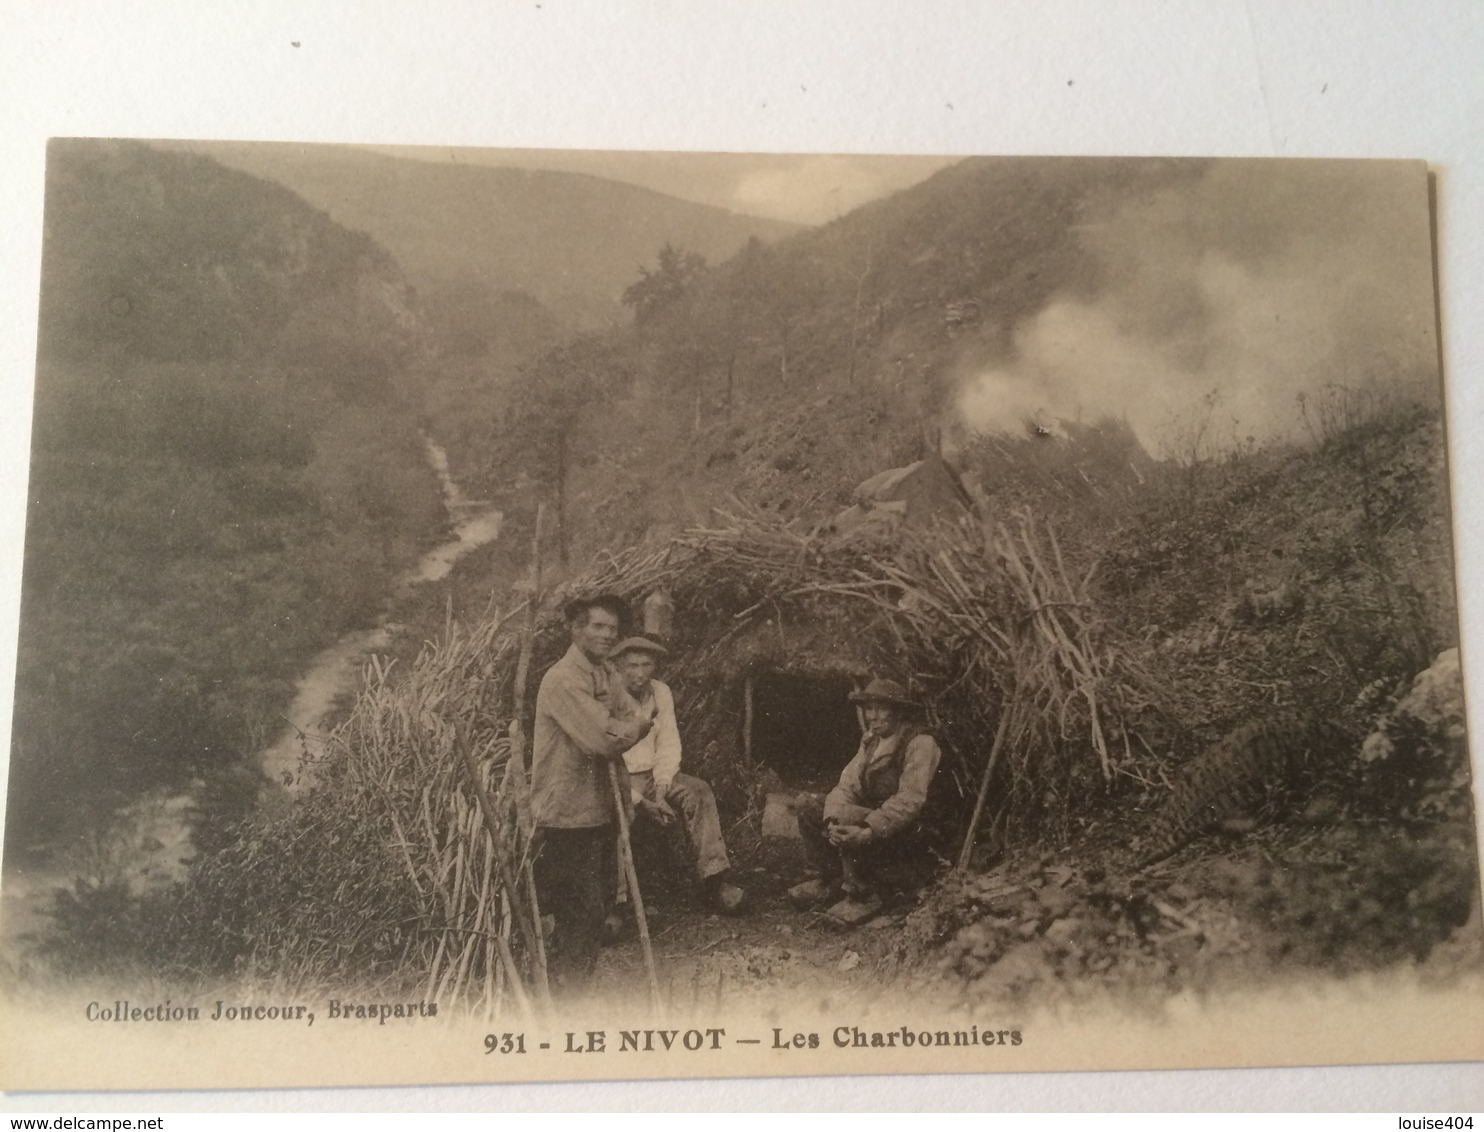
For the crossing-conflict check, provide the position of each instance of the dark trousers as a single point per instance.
(896, 864)
(574, 871)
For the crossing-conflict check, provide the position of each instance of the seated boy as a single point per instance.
(661, 793)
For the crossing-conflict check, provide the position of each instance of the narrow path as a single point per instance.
(336, 671)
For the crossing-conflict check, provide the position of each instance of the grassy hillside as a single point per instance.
(224, 475)
(1187, 302)
(1293, 558)
(1373, 869)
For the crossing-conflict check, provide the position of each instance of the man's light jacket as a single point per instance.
(584, 718)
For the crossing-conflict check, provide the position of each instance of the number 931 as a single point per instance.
(504, 1043)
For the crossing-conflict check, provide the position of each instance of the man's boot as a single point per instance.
(812, 893)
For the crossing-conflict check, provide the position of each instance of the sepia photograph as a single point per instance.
(517, 614)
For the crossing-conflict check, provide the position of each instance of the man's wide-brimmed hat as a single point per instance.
(881, 691)
(639, 644)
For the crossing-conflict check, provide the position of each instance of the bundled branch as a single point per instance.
(428, 760)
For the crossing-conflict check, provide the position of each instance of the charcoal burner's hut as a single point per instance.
(774, 624)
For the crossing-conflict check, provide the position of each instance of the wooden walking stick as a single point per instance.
(626, 851)
(518, 739)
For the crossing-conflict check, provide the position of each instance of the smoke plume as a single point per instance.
(1219, 301)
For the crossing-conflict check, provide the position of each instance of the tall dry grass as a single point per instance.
(404, 868)
(407, 864)
(427, 759)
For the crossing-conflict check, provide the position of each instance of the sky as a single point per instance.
(801, 188)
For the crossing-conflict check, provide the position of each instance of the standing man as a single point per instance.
(659, 789)
(584, 723)
(868, 824)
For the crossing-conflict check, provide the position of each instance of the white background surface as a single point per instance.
(1199, 77)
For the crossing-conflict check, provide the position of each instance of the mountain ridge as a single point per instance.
(410, 206)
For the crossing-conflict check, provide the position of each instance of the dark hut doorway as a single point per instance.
(803, 726)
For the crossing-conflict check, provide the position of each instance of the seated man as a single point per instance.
(659, 789)
(868, 825)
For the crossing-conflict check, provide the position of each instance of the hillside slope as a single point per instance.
(1193, 304)
(1248, 573)
(790, 372)
(224, 475)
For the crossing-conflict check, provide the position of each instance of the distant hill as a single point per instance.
(573, 242)
(172, 257)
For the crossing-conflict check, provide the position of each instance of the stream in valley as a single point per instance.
(151, 844)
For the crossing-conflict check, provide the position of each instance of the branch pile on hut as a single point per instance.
(1009, 644)
(1035, 700)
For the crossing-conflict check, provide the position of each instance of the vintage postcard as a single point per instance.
(513, 615)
